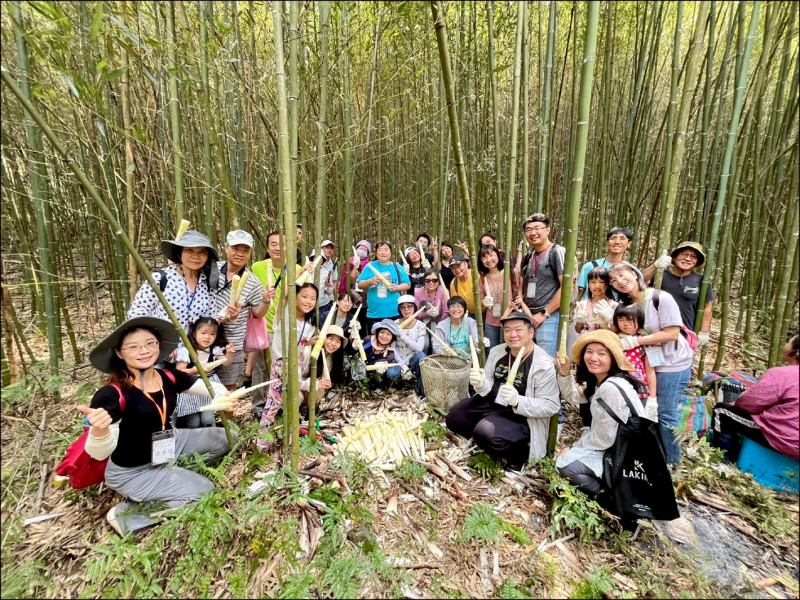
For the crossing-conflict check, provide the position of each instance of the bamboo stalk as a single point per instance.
(115, 227)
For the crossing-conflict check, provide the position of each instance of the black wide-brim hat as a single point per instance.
(105, 351)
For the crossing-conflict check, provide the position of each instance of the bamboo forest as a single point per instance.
(545, 288)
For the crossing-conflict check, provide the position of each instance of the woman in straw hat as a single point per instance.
(602, 372)
(131, 423)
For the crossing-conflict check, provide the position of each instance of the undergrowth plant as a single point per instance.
(572, 510)
(486, 466)
(409, 471)
(483, 525)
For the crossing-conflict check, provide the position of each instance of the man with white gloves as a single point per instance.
(683, 283)
(510, 421)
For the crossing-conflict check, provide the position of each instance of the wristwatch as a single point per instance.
(546, 314)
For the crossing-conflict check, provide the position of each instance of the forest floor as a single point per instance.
(496, 535)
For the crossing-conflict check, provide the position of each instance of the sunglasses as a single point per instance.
(431, 281)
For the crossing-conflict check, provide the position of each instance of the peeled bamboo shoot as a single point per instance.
(182, 229)
(408, 321)
(380, 276)
(512, 372)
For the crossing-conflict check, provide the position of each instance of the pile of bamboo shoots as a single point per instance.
(385, 438)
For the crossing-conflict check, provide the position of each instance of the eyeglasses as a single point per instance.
(431, 281)
(688, 254)
(531, 229)
(151, 345)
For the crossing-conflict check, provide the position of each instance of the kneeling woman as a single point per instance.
(130, 421)
(606, 373)
(330, 365)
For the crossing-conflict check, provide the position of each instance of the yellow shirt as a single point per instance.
(259, 269)
(464, 290)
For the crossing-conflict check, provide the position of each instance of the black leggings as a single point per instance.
(497, 430)
(578, 474)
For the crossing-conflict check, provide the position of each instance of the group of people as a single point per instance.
(634, 350)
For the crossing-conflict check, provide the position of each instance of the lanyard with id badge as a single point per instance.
(531, 291)
(163, 442)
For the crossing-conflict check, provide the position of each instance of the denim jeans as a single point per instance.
(670, 388)
(413, 364)
(546, 335)
(493, 333)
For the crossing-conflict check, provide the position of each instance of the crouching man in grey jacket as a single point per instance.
(510, 422)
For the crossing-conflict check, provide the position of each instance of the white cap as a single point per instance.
(239, 236)
(406, 299)
(326, 243)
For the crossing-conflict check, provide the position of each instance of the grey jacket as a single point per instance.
(541, 399)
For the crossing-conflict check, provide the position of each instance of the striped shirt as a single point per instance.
(250, 298)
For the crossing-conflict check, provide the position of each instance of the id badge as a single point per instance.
(497, 309)
(655, 354)
(531, 289)
(163, 447)
(382, 290)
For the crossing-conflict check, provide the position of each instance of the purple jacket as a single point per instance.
(439, 301)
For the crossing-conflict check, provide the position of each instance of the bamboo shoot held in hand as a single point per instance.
(475, 363)
(408, 321)
(444, 288)
(380, 276)
(182, 229)
(323, 334)
(306, 274)
(425, 262)
(512, 372)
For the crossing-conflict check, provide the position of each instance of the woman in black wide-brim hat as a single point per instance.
(131, 423)
(188, 284)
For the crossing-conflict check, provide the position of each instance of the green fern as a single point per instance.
(482, 524)
(487, 467)
(511, 590)
(410, 471)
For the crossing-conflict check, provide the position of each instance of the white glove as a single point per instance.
(663, 262)
(702, 338)
(488, 302)
(381, 367)
(508, 394)
(407, 269)
(581, 315)
(486, 342)
(447, 351)
(219, 389)
(651, 409)
(604, 310)
(476, 378)
(629, 342)
(403, 333)
(357, 345)
(433, 312)
(355, 326)
(406, 372)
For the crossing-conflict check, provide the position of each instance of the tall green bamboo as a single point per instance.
(526, 114)
(664, 230)
(322, 127)
(498, 193)
(437, 10)
(208, 177)
(116, 227)
(512, 162)
(544, 132)
(175, 114)
(39, 194)
(679, 139)
(347, 123)
(578, 163)
(291, 386)
(738, 101)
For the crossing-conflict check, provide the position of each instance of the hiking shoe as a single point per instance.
(113, 520)
(244, 381)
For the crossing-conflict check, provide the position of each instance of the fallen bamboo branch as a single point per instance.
(455, 468)
(417, 495)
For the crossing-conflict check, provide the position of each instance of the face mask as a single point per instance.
(361, 253)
